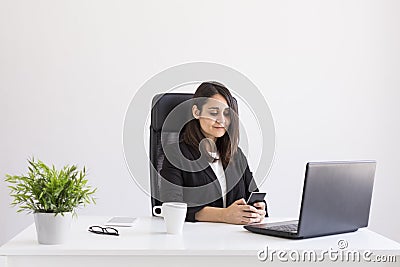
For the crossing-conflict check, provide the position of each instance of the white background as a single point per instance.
(330, 71)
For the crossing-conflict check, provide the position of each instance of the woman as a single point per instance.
(207, 169)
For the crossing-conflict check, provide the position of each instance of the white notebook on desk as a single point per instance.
(120, 221)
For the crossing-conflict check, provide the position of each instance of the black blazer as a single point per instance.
(201, 188)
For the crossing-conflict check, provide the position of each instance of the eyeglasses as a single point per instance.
(103, 230)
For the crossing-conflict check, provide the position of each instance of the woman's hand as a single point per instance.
(240, 213)
(260, 206)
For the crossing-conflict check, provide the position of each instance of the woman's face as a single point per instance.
(214, 117)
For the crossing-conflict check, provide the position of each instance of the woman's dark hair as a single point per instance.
(227, 144)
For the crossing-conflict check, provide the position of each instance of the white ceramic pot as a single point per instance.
(52, 230)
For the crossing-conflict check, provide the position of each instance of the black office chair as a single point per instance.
(162, 105)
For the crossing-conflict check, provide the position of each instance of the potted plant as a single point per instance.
(52, 196)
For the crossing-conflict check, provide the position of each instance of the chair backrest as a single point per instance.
(162, 105)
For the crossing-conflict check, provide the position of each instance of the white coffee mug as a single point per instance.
(174, 214)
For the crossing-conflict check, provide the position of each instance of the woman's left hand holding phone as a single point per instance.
(260, 206)
(241, 213)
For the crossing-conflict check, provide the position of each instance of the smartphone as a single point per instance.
(255, 197)
(120, 221)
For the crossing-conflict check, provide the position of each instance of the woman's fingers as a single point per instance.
(259, 205)
(247, 214)
(249, 208)
(261, 212)
(252, 215)
(252, 219)
(249, 220)
(240, 201)
(261, 209)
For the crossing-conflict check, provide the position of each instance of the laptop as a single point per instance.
(336, 199)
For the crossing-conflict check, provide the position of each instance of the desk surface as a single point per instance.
(148, 237)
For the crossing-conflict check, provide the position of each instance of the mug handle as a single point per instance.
(157, 214)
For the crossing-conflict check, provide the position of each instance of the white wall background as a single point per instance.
(330, 71)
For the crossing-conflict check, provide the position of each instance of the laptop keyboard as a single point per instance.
(291, 228)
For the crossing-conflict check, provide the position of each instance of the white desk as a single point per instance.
(147, 244)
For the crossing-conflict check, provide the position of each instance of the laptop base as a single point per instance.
(262, 230)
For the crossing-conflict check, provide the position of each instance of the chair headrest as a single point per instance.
(163, 104)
